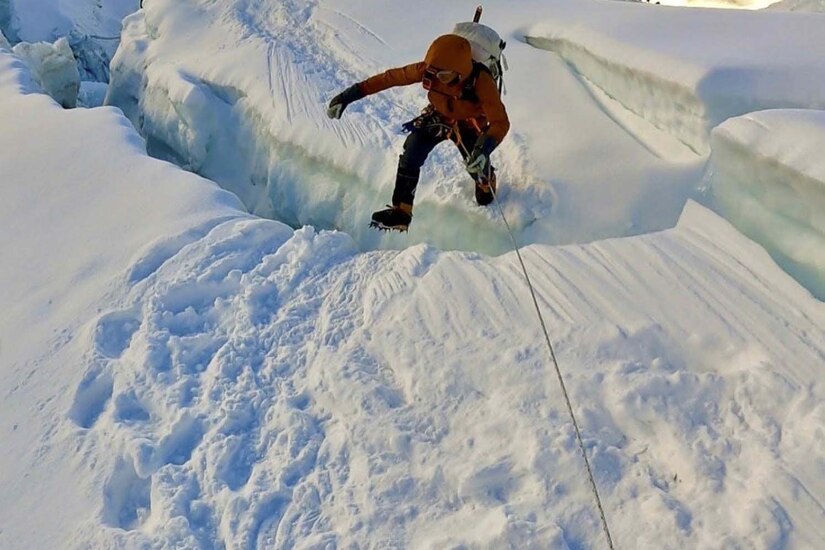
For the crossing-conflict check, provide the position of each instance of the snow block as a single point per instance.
(54, 68)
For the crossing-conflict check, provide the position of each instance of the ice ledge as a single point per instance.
(767, 176)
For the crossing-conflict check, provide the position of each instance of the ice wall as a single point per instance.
(54, 68)
(687, 71)
(767, 175)
(93, 55)
(7, 19)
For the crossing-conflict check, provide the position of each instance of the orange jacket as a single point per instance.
(450, 52)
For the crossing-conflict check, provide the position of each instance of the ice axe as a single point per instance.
(477, 16)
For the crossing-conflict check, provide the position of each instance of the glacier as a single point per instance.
(178, 372)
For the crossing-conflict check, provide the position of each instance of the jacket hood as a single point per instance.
(451, 52)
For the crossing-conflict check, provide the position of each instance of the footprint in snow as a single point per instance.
(91, 397)
(128, 408)
(177, 447)
(492, 484)
(235, 462)
(113, 333)
(126, 497)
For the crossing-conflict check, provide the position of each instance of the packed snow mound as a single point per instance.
(258, 390)
(687, 71)
(767, 175)
(54, 68)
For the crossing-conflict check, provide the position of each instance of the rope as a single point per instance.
(517, 250)
(558, 373)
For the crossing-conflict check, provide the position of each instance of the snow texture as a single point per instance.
(261, 382)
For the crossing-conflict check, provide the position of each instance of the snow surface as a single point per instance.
(176, 373)
(651, 61)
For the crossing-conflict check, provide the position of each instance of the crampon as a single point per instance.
(392, 218)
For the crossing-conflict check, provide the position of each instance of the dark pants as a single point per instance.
(418, 146)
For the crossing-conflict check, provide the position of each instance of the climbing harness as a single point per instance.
(432, 121)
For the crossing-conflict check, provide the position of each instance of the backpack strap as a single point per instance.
(502, 89)
(468, 92)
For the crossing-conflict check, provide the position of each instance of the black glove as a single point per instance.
(340, 102)
(479, 158)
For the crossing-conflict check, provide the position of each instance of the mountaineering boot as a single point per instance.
(396, 218)
(485, 190)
